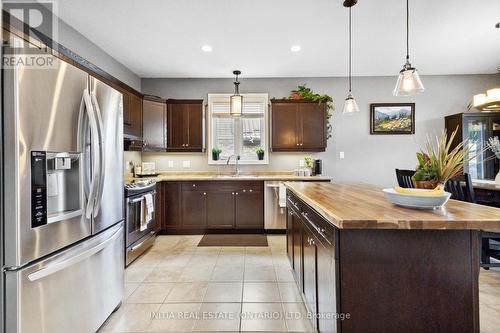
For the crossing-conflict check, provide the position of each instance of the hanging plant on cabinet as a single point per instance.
(303, 92)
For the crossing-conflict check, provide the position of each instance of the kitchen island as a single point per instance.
(377, 267)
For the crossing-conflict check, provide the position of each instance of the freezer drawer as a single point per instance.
(73, 291)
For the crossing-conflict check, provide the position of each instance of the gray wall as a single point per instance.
(368, 158)
(76, 42)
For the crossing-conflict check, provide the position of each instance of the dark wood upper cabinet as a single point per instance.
(185, 125)
(132, 116)
(298, 125)
(154, 117)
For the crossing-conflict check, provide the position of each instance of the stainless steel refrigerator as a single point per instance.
(63, 197)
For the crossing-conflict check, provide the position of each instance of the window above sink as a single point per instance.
(238, 135)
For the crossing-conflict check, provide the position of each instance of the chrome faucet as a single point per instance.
(237, 157)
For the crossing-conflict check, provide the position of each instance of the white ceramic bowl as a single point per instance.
(416, 201)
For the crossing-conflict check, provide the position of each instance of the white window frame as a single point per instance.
(265, 138)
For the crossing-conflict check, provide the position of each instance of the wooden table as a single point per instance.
(400, 269)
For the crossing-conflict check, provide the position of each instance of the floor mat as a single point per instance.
(233, 240)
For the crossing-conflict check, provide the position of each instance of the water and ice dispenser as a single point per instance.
(55, 187)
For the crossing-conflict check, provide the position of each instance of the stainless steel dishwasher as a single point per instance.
(274, 213)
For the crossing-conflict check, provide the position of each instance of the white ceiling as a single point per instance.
(163, 38)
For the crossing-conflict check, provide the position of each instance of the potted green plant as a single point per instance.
(216, 153)
(438, 162)
(260, 153)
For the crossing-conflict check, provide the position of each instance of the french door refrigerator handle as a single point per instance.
(63, 263)
(83, 123)
(102, 169)
(95, 145)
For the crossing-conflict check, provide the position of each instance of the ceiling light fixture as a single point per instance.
(295, 48)
(490, 101)
(236, 105)
(206, 48)
(409, 82)
(350, 105)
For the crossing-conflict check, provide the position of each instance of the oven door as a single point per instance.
(134, 213)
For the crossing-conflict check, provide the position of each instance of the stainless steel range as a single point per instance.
(140, 199)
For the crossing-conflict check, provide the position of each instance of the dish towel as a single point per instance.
(282, 196)
(147, 207)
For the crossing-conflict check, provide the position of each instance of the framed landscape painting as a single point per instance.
(392, 118)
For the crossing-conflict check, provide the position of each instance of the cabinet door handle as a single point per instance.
(204, 193)
(244, 191)
(311, 222)
(232, 193)
(297, 144)
(250, 191)
(194, 185)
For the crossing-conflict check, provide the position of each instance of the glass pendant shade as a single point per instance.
(350, 105)
(236, 105)
(409, 82)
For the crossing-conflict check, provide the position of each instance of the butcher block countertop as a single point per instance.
(361, 206)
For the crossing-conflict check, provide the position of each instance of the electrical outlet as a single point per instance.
(341, 155)
(186, 164)
(170, 164)
(302, 163)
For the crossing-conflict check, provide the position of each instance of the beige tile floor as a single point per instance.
(179, 287)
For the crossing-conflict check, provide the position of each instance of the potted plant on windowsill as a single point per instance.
(438, 163)
(216, 153)
(260, 153)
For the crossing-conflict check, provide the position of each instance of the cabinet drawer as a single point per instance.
(195, 186)
(323, 229)
(246, 186)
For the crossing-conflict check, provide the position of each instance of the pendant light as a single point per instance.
(350, 105)
(236, 108)
(490, 101)
(409, 82)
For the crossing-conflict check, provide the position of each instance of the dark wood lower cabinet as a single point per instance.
(172, 219)
(289, 236)
(327, 294)
(249, 208)
(381, 280)
(297, 249)
(310, 261)
(203, 206)
(220, 209)
(194, 209)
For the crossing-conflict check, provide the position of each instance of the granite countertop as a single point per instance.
(211, 176)
(486, 185)
(359, 206)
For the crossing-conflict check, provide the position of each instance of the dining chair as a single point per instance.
(404, 178)
(461, 189)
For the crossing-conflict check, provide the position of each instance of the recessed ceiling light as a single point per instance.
(295, 48)
(206, 48)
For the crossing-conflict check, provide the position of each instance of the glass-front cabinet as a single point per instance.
(476, 129)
